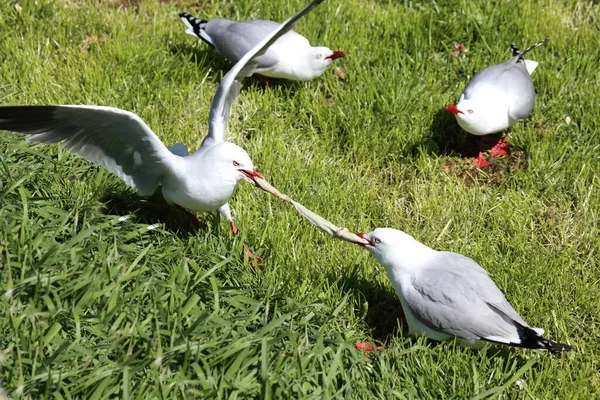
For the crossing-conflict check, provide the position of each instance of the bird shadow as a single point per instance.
(447, 138)
(381, 306)
(204, 56)
(151, 211)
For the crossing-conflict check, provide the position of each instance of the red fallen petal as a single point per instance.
(363, 346)
(253, 257)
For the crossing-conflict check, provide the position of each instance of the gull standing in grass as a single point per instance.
(290, 57)
(447, 295)
(496, 98)
(121, 142)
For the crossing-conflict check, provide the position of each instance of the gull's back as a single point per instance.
(508, 84)
(235, 39)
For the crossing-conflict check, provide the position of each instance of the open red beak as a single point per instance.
(362, 236)
(454, 110)
(336, 54)
(251, 175)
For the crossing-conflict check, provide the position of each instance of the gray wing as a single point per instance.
(115, 139)
(456, 296)
(235, 39)
(523, 91)
(509, 79)
(230, 85)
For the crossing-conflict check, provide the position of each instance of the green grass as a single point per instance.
(100, 307)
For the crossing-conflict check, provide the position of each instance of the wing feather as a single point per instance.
(235, 39)
(115, 139)
(230, 85)
(460, 299)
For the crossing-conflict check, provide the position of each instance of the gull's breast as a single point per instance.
(197, 193)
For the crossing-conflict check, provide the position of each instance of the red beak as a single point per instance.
(454, 110)
(362, 236)
(251, 174)
(336, 54)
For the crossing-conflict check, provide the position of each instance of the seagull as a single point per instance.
(290, 57)
(121, 142)
(447, 295)
(496, 98)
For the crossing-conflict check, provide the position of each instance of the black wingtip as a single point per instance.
(521, 54)
(532, 340)
(196, 26)
(553, 346)
(25, 119)
(515, 50)
(22, 111)
(196, 22)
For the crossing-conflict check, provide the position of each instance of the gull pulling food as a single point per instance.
(447, 295)
(496, 98)
(290, 57)
(121, 142)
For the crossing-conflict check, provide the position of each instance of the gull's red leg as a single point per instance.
(265, 80)
(480, 161)
(234, 228)
(193, 218)
(500, 148)
(253, 257)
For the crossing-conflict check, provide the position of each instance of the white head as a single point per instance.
(319, 59)
(478, 118)
(395, 249)
(231, 163)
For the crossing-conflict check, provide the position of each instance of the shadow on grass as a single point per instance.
(204, 56)
(151, 210)
(448, 139)
(383, 308)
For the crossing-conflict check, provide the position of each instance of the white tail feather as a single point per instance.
(190, 28)
(531, 65)
(539, 331)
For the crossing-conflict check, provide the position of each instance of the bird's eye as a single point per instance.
(470, 111)
(319, 56)
(236, 164)
(376, 241)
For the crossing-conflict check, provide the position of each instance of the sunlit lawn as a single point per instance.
(99, 306)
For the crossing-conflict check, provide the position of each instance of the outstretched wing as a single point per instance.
(115, 139)
(230, 85)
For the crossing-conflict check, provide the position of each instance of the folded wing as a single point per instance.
(235, 39)
(461, 300)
